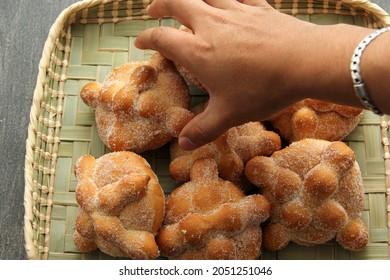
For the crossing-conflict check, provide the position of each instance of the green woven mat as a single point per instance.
(96, 39)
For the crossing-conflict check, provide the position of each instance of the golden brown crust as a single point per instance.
(316, 193)
(353, 235)
(140, 106)
(311, 118)
(209, 218)
(231, 151)
(122, 205)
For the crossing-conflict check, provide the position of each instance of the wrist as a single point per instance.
(375, 70)
(325, 73)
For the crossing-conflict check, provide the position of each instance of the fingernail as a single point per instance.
(186, 143)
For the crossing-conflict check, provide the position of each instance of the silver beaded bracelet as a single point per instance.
(360, 88)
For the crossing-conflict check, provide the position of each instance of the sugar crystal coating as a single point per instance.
(121, 205)
(211, 218)
(140, 106)
(327, 199)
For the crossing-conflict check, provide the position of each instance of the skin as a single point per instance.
(272, 61)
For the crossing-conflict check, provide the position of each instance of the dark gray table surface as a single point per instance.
(24, 26)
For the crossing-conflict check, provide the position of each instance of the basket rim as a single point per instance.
(54, 32)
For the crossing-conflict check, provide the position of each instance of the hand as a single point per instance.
(252, 59)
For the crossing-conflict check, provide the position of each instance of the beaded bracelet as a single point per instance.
(360, 88)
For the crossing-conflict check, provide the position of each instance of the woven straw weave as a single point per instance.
(90, 38)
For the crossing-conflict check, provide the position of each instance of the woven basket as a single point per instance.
(90, 38)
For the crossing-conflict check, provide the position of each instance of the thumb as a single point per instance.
(204, 128)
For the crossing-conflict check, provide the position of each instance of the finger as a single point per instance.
(172, 43)
(186, 12)
(204, 128)
(222, 4)
(256, 3)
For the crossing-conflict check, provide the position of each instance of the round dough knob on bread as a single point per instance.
(140, 106)
(316, 193)
(121, 205)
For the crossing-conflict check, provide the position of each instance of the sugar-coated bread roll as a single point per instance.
(316, 193)
(140, 106)
(210, 218)
(231, 151)
(312, 118)
(122, 205)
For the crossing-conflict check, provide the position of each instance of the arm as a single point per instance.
(272, 61)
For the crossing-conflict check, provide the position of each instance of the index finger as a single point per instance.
(185, 11)
(172, 43)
